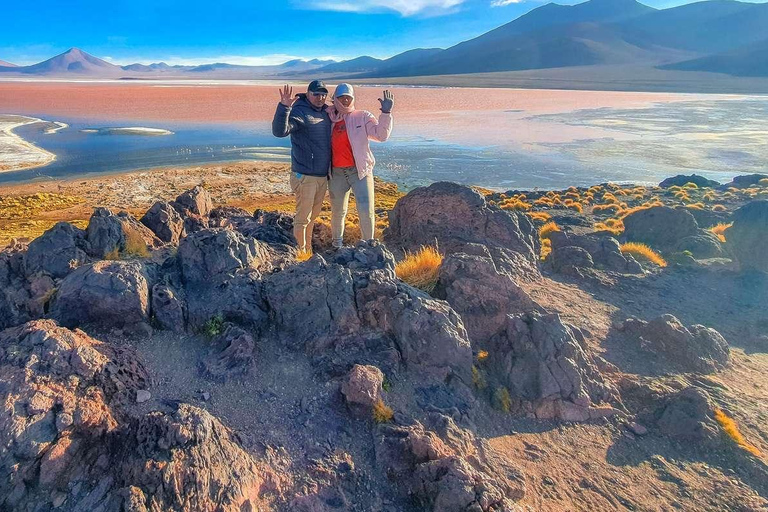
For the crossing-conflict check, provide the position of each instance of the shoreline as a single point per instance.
(16, 153)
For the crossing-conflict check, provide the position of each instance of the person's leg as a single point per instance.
(304, 192)
(321, 186)
(363, 190)
(338, 189)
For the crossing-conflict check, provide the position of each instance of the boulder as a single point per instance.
(748, 237)
(106, 293)
(545, 363)
(443, 468)
(272, 228)
(232, 355)
(569, 259)
(15, 296)
(703, 245)
(214, 254)
(695, 348)
(747, 181)
(660, 227)
(604, 252)
(482, 294)
(57, 252)
(688, 415)
(239, 300)
(362, 389)
(682, 179)
(452, 215)
(165, 222)
(196, 201)
(111, 236)
(705, 219)
(168, 309)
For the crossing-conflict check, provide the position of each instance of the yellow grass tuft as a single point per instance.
(763, 182)
(478, 380)
(381, 412)
(482, 355)
(540, 216)
(720, 229)
(303, 255)
(547, 229)
(690, 185)
(546, 248)
(135, 246)
(644, 252)
(731, 429)
(718, 208)
(501, 400)
(420, 269)
(606, 208)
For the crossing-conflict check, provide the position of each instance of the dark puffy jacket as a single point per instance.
(310, 131)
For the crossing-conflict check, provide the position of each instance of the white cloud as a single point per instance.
(263, 60)
(404, 7)
(502, 3)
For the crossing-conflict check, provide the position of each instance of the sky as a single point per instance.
(253, 32)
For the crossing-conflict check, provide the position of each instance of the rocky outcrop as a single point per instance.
(232, 355)
(105, 293)
(661, 227)
(547, 368)
(748, 237)
(165, 222)
(604, 252)
(196, 201)
(746, 181)
(453, 216)
(445, 468)
(57, 252)
(169, 311)
(481, 293)
(695, 348)
(16, 302)
(210, 255)
(362, 389)
(682, 179)
(111, 235)
(688, 415)
(702, 245)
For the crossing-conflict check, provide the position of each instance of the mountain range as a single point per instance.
(720, 36)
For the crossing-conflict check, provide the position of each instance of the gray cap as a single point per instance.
(344, 90)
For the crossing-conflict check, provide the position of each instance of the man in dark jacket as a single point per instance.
(304, 118)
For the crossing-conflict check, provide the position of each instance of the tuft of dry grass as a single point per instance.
(718, 208)
(478, 380)
(547, 229)
(135, 245)
(731, 429)
(643, 252)
(303, 255)
(381, 412)
(501, 400)
(763, 182)
(690, 185)
(420, 269)
(482, 355)
(719, 230)
(540, 216)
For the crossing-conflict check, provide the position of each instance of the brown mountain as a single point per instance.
(73, 61)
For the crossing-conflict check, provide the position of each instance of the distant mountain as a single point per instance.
(73, 61)
(7, 64)
(751, 60)
(357, 65)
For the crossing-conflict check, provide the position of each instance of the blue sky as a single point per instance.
(247, 31)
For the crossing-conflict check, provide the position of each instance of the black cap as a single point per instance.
(317, 86)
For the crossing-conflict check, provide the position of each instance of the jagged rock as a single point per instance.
(689, 415)
(708, 218)
(453, 215)
(747, 181)
(569, 259)
(273, 228)
(696, 348)
(107, 293)
(15, 296)
(546, 363)
(366, 255)
(212, 254)
(239, 300)
(196, 201)
(223, 216)
(233, 355)
(748, 237)
(702, 245)
(682, 179)
(604, 251)
(661, 227)
(110, 235)
(57, 252)
(165, 222)
(480, 293)
(168, 309)
(446, 469)
(362, 389)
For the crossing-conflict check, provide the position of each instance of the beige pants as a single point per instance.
(310, 192)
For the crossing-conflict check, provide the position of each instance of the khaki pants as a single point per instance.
(310, 192)
(344, 179)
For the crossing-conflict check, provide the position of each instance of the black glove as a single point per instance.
(387, 103)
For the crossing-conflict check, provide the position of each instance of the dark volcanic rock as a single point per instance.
(748, 237)
(196, 201)
(212, 254)
(682, 179)
(453, 215)
(165, 222)
(447, 469)
(239, 300)
(15, 296)
(661, 227)
(362, 389)
(569, 259)
(604, 252)
(747, 181)
(109, 235)
(708, 218)
(702, 245)
(168, 309)
(57, 252)
(546, 363)
(689, 415)
(696, 349)
(480, 293)
(233, 355)
(107, 293)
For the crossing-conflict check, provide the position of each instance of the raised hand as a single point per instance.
(387, 102)
(286, 96)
